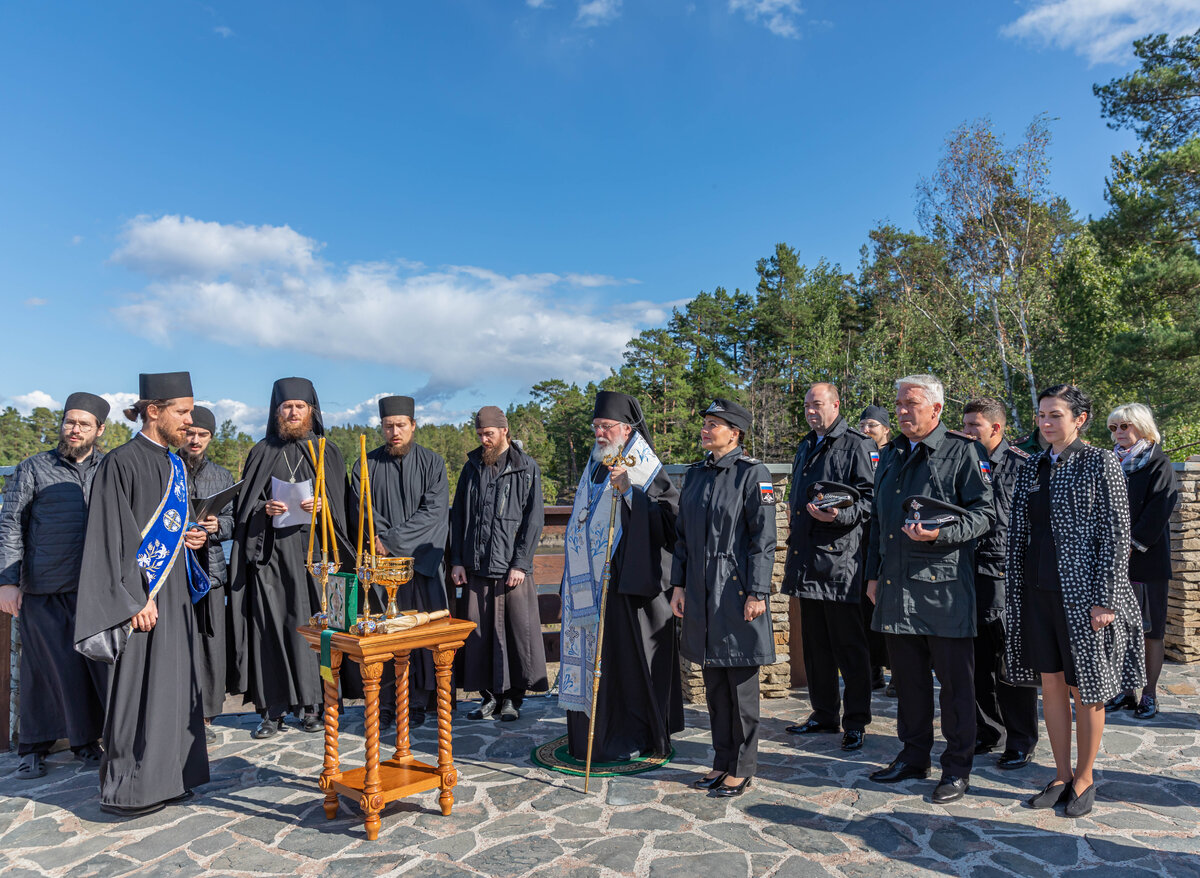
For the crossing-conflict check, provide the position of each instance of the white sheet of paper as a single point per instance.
(292, 494)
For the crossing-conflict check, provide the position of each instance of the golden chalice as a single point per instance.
(392, 573)
(321, 571)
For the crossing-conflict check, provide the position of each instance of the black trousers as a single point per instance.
(953, 661)
(1001, 709)
(834, 640)
(732, 696)
(875, 640)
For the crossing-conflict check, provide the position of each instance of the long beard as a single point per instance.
(291, 433)
(599, 451)
(76, 453)
(492, 454)
(193, 462)
(400, 449)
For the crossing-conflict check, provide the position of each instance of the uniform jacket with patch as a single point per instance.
(1005, 462)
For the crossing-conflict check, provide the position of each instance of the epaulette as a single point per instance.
(959, 434)
(858, 433)
(750, 460)
(1018, 452)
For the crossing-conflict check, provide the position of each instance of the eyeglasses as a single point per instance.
(1112, 428)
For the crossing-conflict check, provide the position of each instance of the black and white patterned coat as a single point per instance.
(1089, 516)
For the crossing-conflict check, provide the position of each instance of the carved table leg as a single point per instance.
(372, 801)
(333, 768)
(443, 659)
(402, 740)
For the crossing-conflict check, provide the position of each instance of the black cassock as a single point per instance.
(154, 728)
(211, 612)
(271, 591)
(410, 498)
(640, 703)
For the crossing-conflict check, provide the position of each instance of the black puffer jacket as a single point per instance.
(43, 522)
(494, 531)
(210, 479)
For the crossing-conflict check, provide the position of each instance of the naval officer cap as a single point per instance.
(96, 406)
(832, 495)
(729, 412)
(930, 512)
(164, 385)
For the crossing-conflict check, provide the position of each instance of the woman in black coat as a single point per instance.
(1073, 622)
(724, 555)
(1153, 492)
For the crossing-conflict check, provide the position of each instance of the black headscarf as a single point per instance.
(293, 388)
(616, 406)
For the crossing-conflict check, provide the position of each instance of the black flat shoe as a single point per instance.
(135, 811)
(1120, 702)
(725, 791)
(1080, 805)
(811, 727)
(853, 740)
(1055, 793)
(1147, 708)
(1013, 759)
(311, 723)
(708, 783)
(33, 766)
(509, 712)
(950, 789)
(982, 747)
(268, 728)
(898, 771)
(890, 691)
(487, 710)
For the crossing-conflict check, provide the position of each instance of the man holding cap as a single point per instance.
(135, 607)
(922, 580)
(495, 524)
(41, 547)
(824, 565)
(205, 479)
(410, 498)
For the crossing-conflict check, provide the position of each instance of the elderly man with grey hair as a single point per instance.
(933, 499)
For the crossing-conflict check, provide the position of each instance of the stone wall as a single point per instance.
(1183, 600)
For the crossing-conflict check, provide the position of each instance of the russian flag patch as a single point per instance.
(766, 493)
(985, 468)
(874, 458)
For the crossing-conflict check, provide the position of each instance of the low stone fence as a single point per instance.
(1182, 641)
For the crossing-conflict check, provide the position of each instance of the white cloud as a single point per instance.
(27, 402)
(537, 4)
(780, 17)
(593, 13)
(76, 240)
(223, 31)
(458, 325)
(1103, 30)
(174, 246)
(36, 301)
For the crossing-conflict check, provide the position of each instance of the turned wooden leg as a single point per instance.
(372, 801)
(402, 740)
(443, 659)
(333, 768)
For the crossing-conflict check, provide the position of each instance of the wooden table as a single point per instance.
(376, 783)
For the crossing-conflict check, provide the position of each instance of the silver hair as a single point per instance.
(931, 384)
(1140, 416)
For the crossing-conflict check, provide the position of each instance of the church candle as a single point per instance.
(362, 480)
(319, 490)
(312, 527)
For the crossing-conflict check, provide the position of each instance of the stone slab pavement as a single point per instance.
(811, 812)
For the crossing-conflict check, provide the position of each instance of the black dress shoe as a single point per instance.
(1080, 804)
(1011, 759)
(982, 747)
(508, 711)
(811, 726)
(950, 789)
(487, 710)
(708, 783)
(312, 723)
(725, 791)
(1147, 708)
(853, 740)
(266, 729)
(1055, 793)
(1125, 701)
(890, 691)
(899, 771)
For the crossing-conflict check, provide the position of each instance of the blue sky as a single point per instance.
(457, 199)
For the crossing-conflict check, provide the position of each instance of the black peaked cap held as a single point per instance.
(832, 495)
(729, 412)
(930, 512)
(391, 406)
(164, 385)
(97, 406)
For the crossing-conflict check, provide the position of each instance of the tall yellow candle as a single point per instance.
(312, 527)
(370, 511)
(319, 490)
(362, 481)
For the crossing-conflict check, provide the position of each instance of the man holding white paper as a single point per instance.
(272, 592)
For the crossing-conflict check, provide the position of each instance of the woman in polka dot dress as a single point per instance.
(1074, 626)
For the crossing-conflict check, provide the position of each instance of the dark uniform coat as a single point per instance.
(209, 479)
(1005, 460)
(928, 588)
(42, 527)
(1153, 493)
(1089, 518)
(724, 552)
(824, 560)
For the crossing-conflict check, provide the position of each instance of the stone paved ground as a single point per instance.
(812, 811)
